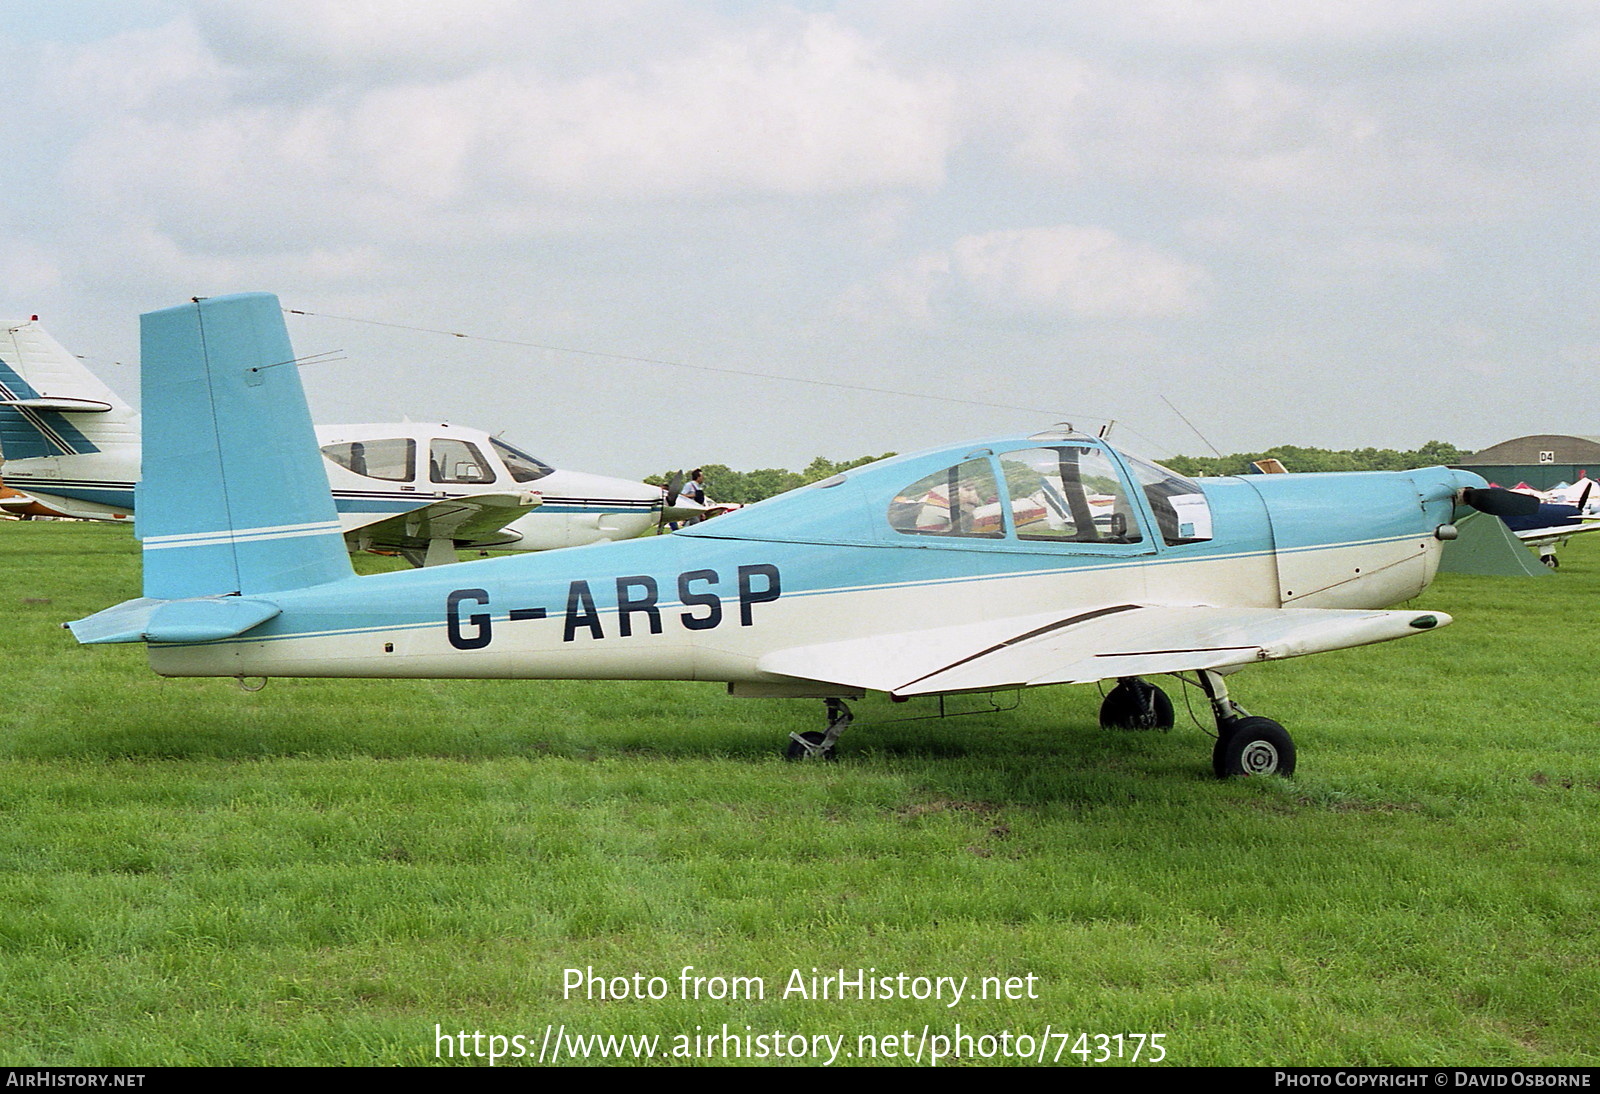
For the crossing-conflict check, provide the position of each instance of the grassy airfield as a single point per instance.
(321, 872)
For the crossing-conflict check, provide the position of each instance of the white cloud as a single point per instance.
(1083, 271)
(1335, 184)
(802, 107)
(813, 110)
(1066, 270)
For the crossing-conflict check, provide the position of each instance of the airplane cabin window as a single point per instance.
(389, 458)
(960, 501)
(523, 467)
(1068, 494)
(453, 461)
(1182, 512)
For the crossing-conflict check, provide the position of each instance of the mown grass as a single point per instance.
(321, 871)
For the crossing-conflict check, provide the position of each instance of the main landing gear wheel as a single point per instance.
(1252, 746)
(1136, 704)
(813, 745)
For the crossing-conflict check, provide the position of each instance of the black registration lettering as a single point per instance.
(628, 605)
(581, 612)
(707, 600)
(748, 595)
(480, 633)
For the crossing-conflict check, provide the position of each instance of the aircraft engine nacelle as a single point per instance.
(1359, 539)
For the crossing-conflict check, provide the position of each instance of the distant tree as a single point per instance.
(1296, 458)
(744, 487)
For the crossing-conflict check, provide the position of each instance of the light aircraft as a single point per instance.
(419, 489)
(892, 577)
(1553, 522)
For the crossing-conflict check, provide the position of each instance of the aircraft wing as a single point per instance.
(478, 520)
(1539, 537)
(1116, 640)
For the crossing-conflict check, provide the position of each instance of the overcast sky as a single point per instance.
(1359, 222)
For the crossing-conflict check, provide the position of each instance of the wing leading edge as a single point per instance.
(1112, 641)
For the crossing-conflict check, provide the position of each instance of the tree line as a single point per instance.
(1295, 458)
(725, 484)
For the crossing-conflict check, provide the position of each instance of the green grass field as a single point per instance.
(321, 872)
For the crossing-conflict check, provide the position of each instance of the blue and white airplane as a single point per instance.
(421, 489)
(998, 565)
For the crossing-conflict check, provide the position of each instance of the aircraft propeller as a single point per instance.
(674, 488)
(1499, 502)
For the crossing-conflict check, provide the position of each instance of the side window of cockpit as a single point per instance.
(1182, 512)
(453, 461)
(961, 501)
(389, 458)
(523, 467)
(1068, 494)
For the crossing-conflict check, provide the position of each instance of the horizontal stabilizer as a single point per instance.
(63, 406)
(51, 404)
(476, 521)
(147, 619)
(1114, 641)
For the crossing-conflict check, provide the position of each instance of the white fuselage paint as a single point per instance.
(331, 644)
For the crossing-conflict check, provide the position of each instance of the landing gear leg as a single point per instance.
(1246, 744)
(819, 746)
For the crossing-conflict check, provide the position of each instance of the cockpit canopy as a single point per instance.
(1043, 492)
(1056, 493)
(451, 460)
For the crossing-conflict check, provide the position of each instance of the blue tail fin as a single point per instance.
(233, 497)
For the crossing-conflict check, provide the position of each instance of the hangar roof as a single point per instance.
(1527, 450)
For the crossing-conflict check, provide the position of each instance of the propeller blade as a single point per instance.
(1500, 503)
(674, 487)
(1584, 500)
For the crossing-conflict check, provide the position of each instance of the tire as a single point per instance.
(1254, 746)
(796, 751)
(1136, 705)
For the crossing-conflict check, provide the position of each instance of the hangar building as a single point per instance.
(1541, 461)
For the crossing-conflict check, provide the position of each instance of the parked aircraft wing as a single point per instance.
(1538, 537)
(1112, 641)
(477, 520)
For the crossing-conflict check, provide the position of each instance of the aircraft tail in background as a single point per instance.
(50, 404)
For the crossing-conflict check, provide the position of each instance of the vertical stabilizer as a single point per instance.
(234, 498)
(51, 404)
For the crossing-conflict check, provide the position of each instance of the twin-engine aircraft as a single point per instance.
(998, 565)
(420, 489)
